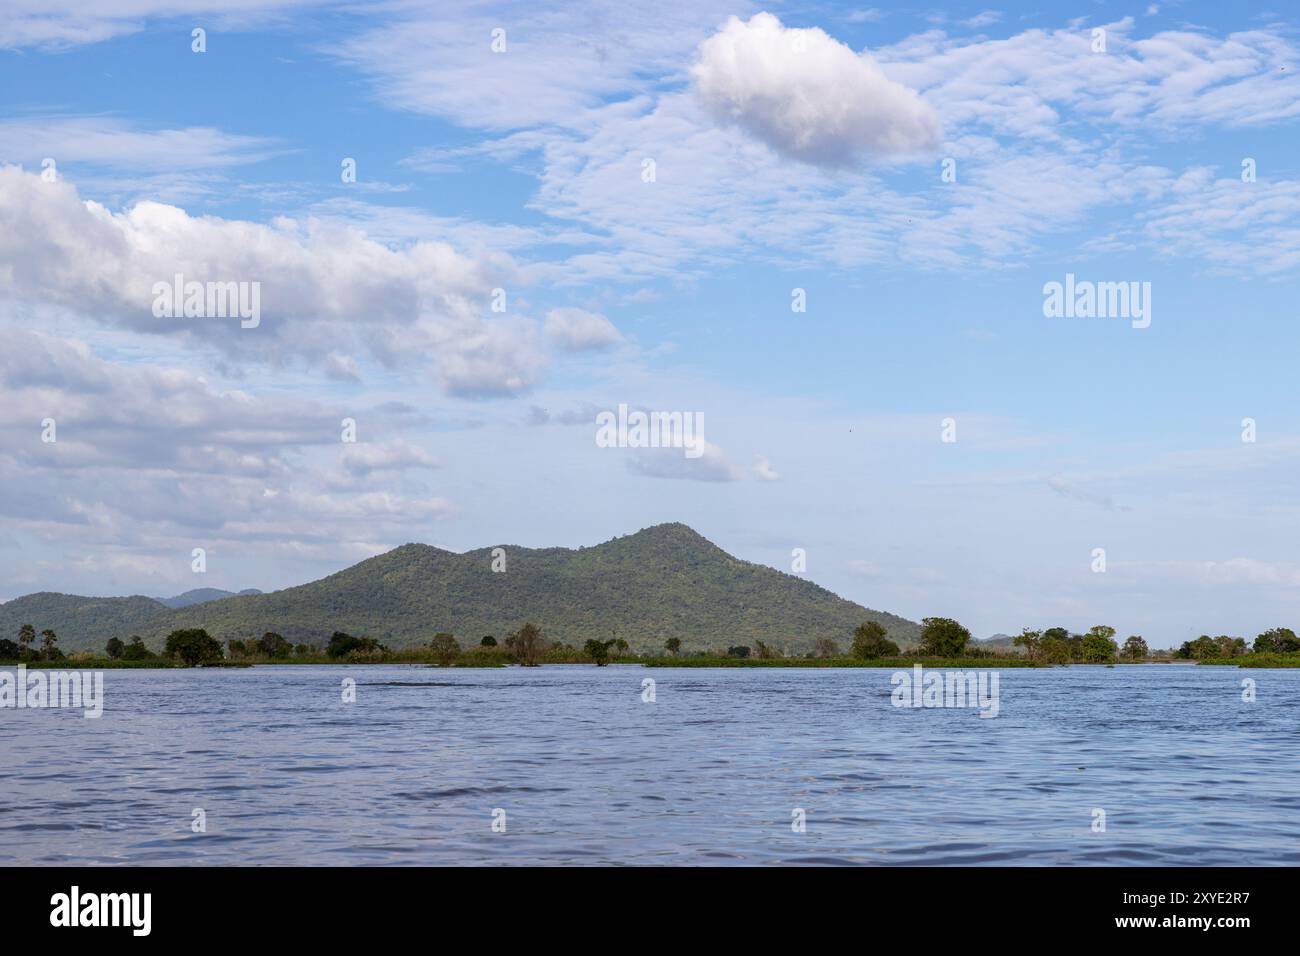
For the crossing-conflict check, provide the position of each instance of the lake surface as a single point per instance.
(587, 773)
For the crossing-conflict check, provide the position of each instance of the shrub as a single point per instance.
(942, 637)
(870, 640)
(192, 646)
(445, 648)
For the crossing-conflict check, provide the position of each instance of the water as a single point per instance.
(587, 773)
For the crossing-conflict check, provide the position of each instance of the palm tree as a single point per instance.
(48, 638)
(26, 635)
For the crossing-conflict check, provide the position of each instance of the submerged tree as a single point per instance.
(598, 651)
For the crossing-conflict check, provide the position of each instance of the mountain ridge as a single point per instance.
(659, 582)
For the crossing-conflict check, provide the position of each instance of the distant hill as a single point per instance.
(81, 622)
(665, 581)
(201, 596)
(999, 641)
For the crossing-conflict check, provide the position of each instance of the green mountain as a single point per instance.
(665, 581)
(200, 596)
(82, 623)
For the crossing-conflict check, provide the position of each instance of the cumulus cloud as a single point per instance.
(325, 289)
(711, 465)
(578, 330)
(808, 96)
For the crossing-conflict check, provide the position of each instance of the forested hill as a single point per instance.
(665, 581)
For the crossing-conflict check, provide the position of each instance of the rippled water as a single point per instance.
(707, 774)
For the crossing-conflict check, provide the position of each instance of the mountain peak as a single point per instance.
(664, 581)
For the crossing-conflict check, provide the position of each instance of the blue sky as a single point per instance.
(794, 147)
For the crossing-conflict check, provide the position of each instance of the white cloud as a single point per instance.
(559, 61)
(808, 96)
(983, 19)
(326, 289)
(365, 458)
(112, 142)
(711, 465)
(579, 330)
(64, 23)
(764, 471)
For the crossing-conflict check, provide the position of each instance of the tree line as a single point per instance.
(941, 637)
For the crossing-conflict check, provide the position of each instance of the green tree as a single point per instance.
(1098, 646)
(1053, 650)
(528, 645)
(488, 641)
(274, 646)
(740, 650)
(598, 651)
(192, 646)
(114, 648)
(870, 640)
(445, 648)
(136, 650)
(1202, 648)
(26, 636)
(942, 637)
(1030, 641)
(673, 645)
(1230, 646)
(826, 648)
(1270, 642)
(341, 644)
(1135, 649)
(1057, 633)
(48, 639)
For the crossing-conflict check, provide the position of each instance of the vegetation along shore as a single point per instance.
(942, 642)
